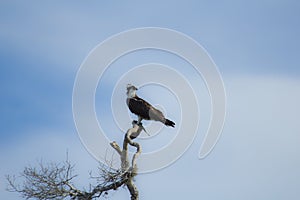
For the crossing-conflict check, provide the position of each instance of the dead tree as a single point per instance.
(55, 181)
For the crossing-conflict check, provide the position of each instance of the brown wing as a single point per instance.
(139, 107)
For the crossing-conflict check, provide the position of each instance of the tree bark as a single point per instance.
(125, 166)
(54, 180)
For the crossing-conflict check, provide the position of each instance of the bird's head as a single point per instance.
(131, 91)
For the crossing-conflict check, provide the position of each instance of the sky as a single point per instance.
(255, 45)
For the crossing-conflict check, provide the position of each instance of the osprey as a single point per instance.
(143, 109)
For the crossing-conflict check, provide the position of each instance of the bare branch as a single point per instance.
(131, 134)
(48, 181)
(116, 147)
(55, 180)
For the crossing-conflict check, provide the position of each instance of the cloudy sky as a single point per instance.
(255, 45)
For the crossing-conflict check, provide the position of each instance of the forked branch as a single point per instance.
(55, 181)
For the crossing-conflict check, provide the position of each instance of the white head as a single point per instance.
(131, 91)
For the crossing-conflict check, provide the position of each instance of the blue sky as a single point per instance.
(255, 44)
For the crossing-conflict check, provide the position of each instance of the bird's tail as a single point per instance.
(169, 123)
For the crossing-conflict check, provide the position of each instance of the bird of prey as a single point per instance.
(143, 109)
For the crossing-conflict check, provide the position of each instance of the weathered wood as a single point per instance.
(54, 180)
(131, 133)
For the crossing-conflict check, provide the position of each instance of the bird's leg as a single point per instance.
(139, 120)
